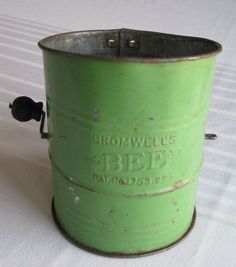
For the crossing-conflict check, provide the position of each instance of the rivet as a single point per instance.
(132, 44)
(111, 43)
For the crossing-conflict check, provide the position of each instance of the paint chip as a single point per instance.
(76, 200)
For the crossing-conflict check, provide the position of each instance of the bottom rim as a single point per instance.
(114, 254)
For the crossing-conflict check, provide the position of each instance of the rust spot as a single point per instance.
(125, 230)
(174, 202)
(62, 136)
(111, 211)
(123, 182)
(135, 129)
(95, 114)
(104, 223)
(122, 254)
(151, 118)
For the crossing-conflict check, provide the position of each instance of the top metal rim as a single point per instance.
(43, 46)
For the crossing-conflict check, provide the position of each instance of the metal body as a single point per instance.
(126, 130)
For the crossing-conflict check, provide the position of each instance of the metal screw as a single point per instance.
(132, 44)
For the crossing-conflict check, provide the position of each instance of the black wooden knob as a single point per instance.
(24, 108)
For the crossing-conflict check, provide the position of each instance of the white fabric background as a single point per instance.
(28, 236)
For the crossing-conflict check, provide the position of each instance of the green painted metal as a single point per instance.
(126, 146)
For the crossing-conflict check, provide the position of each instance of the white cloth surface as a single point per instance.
(28, 236)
